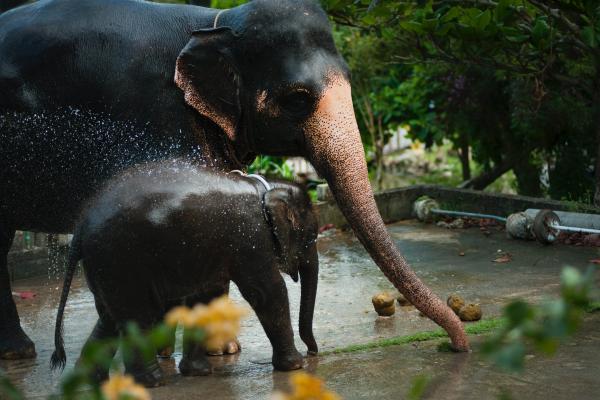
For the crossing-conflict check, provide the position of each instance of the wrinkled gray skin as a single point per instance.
(162, 234)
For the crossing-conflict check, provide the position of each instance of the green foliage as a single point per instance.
(100, 355)
(515, 80)
(77, 384)
(227, 3)
(7, 390)
(272, 167)
(544, 326)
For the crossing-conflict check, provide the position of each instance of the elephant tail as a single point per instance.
(59, 357)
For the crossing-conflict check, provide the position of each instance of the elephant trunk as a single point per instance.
(335, 149)
(309, 276)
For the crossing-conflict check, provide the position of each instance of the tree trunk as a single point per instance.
(463, 154)
(379, 144)
(528, 177)
(597, 173)
(596, 200)
(482, 181)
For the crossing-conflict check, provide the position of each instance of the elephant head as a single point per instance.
(269, 75)
(295, 228)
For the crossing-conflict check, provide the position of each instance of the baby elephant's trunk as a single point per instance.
(309, 276)
(59, 357)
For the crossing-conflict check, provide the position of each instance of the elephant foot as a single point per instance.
(97, 375)
(16, 345)
(165, 352)
(231, 347)
(288, 362)
(151, 376)
(198, 367)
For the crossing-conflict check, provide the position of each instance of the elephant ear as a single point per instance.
(209, 78)
(285, 225)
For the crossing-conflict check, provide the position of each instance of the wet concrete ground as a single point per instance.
(344, 316)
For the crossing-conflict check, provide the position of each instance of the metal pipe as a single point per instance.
(572, 219)
(574, 229)
(467, 214)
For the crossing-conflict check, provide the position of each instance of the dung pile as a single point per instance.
(384, 304)
(466, 312)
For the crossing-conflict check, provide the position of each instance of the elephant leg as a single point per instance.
(104, 329)
(167, 351)
(268, 297)
(231, 347)
(194, 361)
(145, 370)
(14, 343)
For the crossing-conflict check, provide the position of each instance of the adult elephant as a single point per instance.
(89, 87)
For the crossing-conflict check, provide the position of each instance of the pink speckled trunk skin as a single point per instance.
(335, 149)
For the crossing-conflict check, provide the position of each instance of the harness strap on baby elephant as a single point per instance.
(263, 182)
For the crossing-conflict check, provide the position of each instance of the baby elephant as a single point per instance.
(167, 233)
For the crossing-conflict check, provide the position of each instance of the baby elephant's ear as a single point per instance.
(208, 74)
(284, 220)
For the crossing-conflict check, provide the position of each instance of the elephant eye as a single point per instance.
(297, 102)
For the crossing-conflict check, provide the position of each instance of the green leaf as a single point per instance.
(8, 390)
(588, 35)
(511, 357)
(483, 20)
(452, 14)
(518, 311)
(412, 26)
(540, 29)
(570, 278)
(502, 11)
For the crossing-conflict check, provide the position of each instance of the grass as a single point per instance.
(477, 328)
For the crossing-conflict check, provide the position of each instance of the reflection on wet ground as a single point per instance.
(344, 315)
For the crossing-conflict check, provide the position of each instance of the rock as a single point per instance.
(458, 223)
(455, 302)
(384, 304)
(402, 301)
(470, 312)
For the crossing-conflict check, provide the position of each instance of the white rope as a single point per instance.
(254, 176)
(261, 180)
(217, 18)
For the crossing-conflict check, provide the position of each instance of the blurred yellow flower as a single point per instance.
(415, 145)
(120, 387)
(220, 320)
(179, 314)
(306, 387)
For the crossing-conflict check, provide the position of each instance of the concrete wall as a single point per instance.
(396, 204)
(29, 255)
